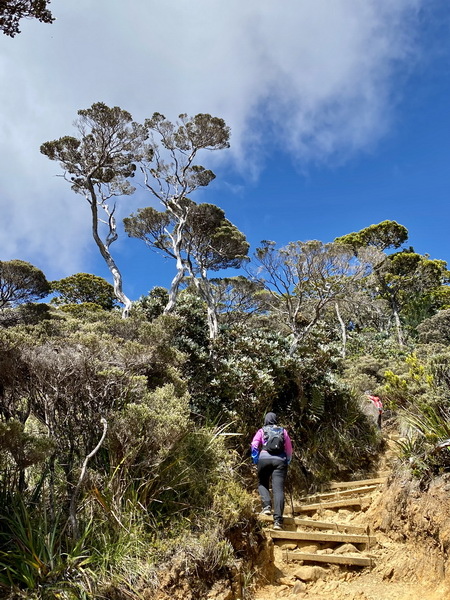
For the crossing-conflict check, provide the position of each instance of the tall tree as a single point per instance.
(303, 278)
(384, 235)
(406, 278)
(209, 242)
(21, 282)
(98, 164)
(238, 299)
(12, 11)
(84, 287)
(359, 309)
(170, 172)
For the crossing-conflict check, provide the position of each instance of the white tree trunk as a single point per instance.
(203, 287)
(104, 249)
(174, 287)
(398, 327)
(177, 239)
(213, 322)
(343, 330)
(73, 500)
(294, 344)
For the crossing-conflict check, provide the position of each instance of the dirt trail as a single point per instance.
(322, 553)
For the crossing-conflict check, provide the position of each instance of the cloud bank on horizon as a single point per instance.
(319, 79)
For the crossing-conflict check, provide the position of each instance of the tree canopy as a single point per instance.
(12, 11)
(98, 164)
(146, 400)
(165, 392)
(171, 173)
(207, 242)
(84, 288)
(384, 235)
(210, 242)
(303, 278)
(21, 282)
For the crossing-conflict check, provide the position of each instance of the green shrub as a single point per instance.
(37, 560)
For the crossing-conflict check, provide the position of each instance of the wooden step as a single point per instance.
(338, 559)
(361, 501)
(311, 523)
(331, 537)
(339, 493)
(334, 485)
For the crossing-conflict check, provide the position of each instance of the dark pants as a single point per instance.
(275, 468)
(379, 419)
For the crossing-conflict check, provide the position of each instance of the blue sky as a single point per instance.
(339, 112)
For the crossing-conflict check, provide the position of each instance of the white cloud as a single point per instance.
(315, 77)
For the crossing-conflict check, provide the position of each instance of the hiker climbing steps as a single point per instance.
(311, 540)
(327, 547)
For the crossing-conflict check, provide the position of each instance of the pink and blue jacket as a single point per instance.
(377, 402)
(257, 444)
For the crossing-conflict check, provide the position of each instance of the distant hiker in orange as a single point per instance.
(376, 401)
(272, 452)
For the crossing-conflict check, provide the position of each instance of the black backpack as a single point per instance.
(273, 439)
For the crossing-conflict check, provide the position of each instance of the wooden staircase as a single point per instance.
(308, 539)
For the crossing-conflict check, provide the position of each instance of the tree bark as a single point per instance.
(104, 250)
(73, 500)
(343, 330)
(177, 241)
(204, 289)
(398, 326)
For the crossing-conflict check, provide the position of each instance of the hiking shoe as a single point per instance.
(277, 525)
(266, 510)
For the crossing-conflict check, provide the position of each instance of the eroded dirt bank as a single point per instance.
(411, 559)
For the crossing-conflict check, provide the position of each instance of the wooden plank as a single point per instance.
(314, 536)
(342, 527)
(334, 485)
(359, 501)
(338, 559)
(338, 493)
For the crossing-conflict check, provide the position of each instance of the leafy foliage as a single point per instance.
(303, 278)
(98, 164)
(12, 11)
(84, 288)
(209, 238)
(200, 240)
(436, 328)
(57, 379)
(310, 330)
(384, 235)
(170, 175)
(36, 556)
(104, 152)
(21, 282)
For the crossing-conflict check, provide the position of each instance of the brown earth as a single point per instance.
(411, 558)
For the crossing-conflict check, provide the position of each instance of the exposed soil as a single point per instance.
(411, 558)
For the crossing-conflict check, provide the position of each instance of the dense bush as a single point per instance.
(155, 478)
(125, 442)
